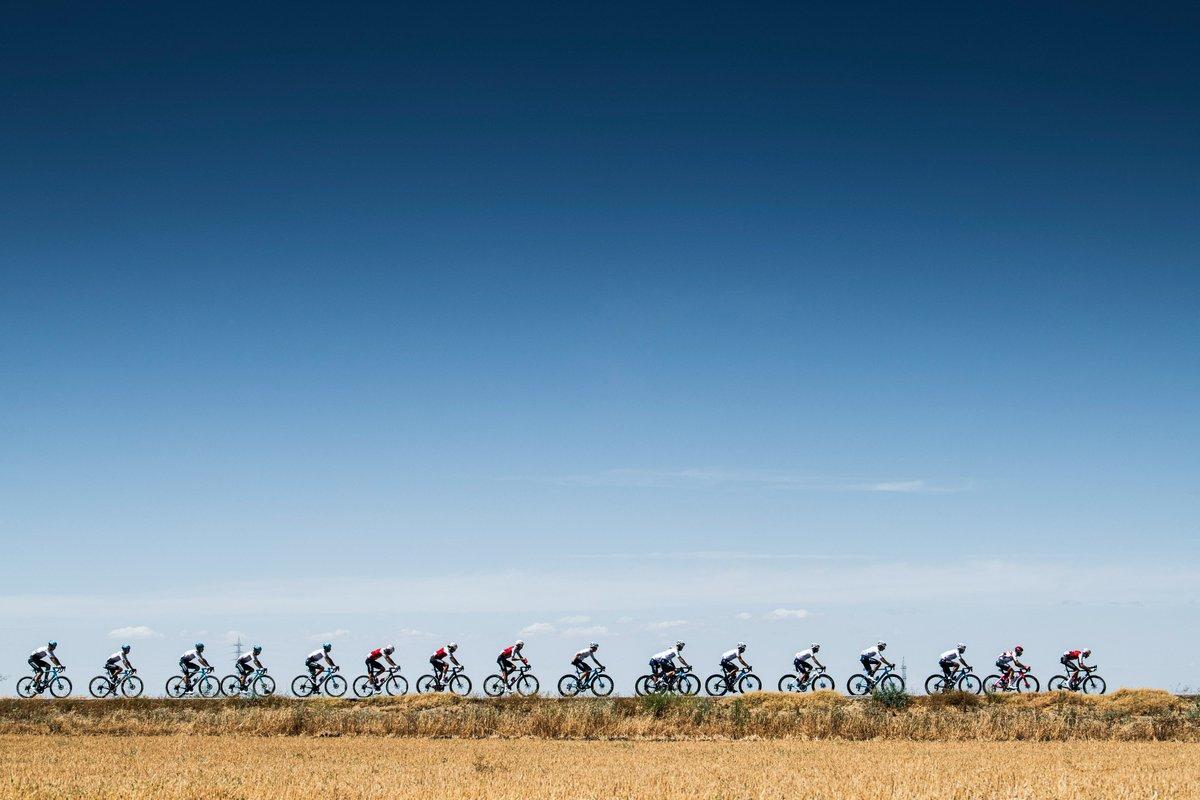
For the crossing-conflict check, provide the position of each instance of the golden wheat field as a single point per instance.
(213, 767)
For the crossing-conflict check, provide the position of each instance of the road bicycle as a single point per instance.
(258, 684)
(59, 685)
(389, 682)
(328, 681)
(884, 679)
(1021, 681)
(126, 684)
(520, 680)
(682, 682)
(1088, 684)
(455, 681)
(595, 681)
(963, 679)
(203, 684)
(744, 680)
(816, 681)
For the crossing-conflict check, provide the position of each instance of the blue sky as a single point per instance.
(626, 323)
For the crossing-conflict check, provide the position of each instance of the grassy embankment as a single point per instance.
(1138, 715)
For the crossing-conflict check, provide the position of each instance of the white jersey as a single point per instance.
(119, 658)
(1007, 656)
(805, 655)
(950, 655)
(42, 652)
(584, 653)
(666, 655)
(870, 652)
(316, 655)
(730, 654)
(192, 655)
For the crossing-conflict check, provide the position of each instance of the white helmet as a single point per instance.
(519, 643)
(389, 649)
(815, 647)
(881, 645)
(594, 645)
(741, 646)
(452, 646)
(962, 648)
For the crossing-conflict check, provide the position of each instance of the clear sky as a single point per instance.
(784, 324)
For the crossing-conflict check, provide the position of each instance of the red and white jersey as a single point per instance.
(442, 652)
(1073, 654)
(511, 650)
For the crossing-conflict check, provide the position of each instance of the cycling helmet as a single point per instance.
(881, 645)
(962, 648)
(257, 649)
(519, 643)
(199, 647)
(125, 648)
(815, 647)
(52, 644)
(594, 646)
(1086, 652)
(327, 647)
(679, 645)
(452, 646)
(389, 650)
(1018, 649)
(741, 647)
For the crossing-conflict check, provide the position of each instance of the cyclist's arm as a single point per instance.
(329, 661)
(258, 664)
(684, 661)
(204, 663)
(389, 660)
(453, 659)
(57, 663)
(743, 660)
(818, 663)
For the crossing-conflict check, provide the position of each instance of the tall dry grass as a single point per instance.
(1127, 715)
(213, 768)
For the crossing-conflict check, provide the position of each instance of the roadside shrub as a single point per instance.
(892, 699)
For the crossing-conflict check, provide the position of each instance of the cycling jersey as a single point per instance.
(1007, 657)
(584, 653)
(42, 653)
(510, 651)
(950, 656)
(666, 655)
(191, 655)
(442, 652)
(247, 660)
(730, 655)
(314, 656)
(1074, 655)
(804, 656)
(375, 654)
(870, 652)
(118, 658)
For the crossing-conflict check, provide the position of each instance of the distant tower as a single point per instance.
(237, 649)
(904, 670)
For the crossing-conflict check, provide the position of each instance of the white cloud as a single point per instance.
(576, 619)
(787, 613)
(413, 633)
(591, 630)
(340, 633)
(710, 477)
(745, 615)
(134, 632)
(537, 629)
(667, 625)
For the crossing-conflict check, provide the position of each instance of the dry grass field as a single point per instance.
(214, 767)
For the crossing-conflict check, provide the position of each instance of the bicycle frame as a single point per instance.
(49, 675)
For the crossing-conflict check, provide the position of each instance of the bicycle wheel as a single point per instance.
(426, 684)
(858, 685)
(132, 686)
(970, 684)
(26, 687)
(263, 686)
(821, 683)
(749, 683)
(1094, 684)
(208, 686)
(602, 686)
(303, 686)
(528, 685)
(100, 686)
(1059, 683)
(460, 685)
(789, 683)
(493, 686)
(892, 683)
(363, 687)
(935, 684)
(643, 685)
(688, 684)
(1027, 683)
(231, 686)
(991, 684)
(335, 686)
(175, 686)
(715, 685)
(568, 685)
(396, 685)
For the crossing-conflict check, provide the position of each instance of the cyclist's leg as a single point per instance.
(947, 669)
(189, 669)
(583, 669)
(314, 669)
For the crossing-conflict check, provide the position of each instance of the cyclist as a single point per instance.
(374, 668)
(663, 664)
(247, 663)
(952, 660)
(507, 656)
(579, 662)
(1007, 661)
(312, 662)
(729, 667)
(438, 660)
(802, 659)
(191, 663)
(872, 658)
(116, 662)
(41, 659)
(1073, 661)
